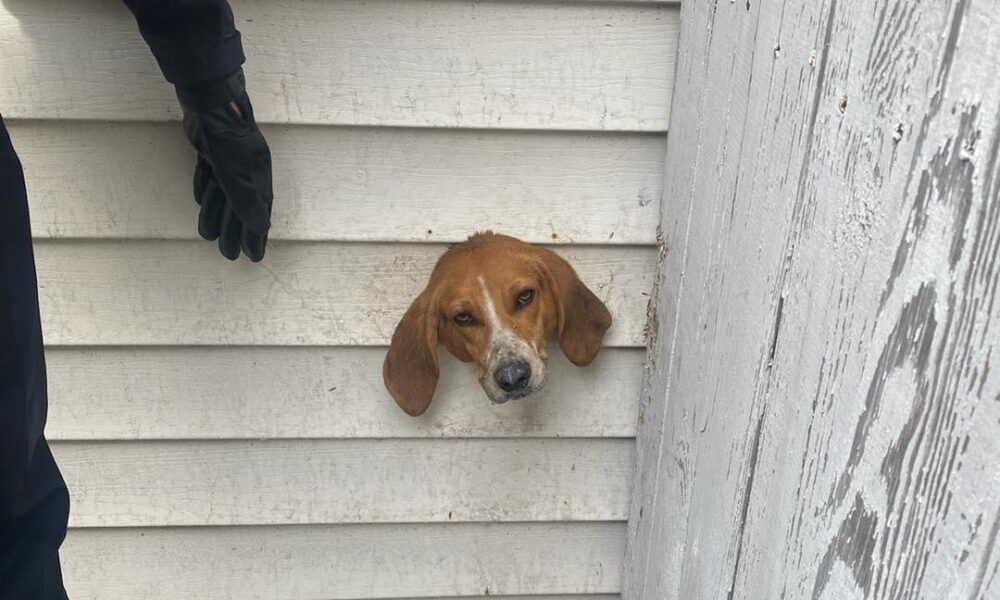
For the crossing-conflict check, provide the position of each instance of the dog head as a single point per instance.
(493, 300)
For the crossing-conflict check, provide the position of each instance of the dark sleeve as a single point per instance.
(193, 40)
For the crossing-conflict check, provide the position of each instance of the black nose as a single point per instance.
(513, 376)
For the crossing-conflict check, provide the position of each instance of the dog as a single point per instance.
(493, 300)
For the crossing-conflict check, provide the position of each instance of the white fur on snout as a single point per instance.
(505, 346)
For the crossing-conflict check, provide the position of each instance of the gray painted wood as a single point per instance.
(822, 414)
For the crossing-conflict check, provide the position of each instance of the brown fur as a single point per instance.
(562, 307)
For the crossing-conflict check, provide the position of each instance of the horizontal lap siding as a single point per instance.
(176, 393)
(433, 63)
(182, 293)
(224, 428)
(421, 184)
(290, 482)
(345, 561)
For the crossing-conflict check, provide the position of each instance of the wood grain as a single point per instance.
(343, 562)
(133, 180)
(433, 63)
(183, 293)
(821, 421)
(546, 597)
(283, 393)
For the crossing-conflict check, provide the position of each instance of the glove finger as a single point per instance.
(202, 178)
(241, 163)
(253, 245)
(213, 205)
(229, 237)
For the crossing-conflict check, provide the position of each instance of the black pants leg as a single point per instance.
(34, 504)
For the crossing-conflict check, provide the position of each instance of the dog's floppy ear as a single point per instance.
(583, 318)
(411, 367)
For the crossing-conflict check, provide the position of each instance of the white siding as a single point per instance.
(294, 482)
(429, 63)
(438, 184)
(133, 393)
(166, 293)
(223, 427)
(345, 561)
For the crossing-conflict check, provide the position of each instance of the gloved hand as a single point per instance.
(232, 179)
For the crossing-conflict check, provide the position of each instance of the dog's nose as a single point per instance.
(513, 376)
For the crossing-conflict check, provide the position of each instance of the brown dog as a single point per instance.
(494, 300)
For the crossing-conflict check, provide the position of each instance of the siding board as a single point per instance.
(288, 482)
(181, 293)
(515, 65)
(269, 393)
(343, 562)
(424, 184)
(223, 427)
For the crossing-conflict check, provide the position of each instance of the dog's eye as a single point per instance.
(463, 318)
(525, 297)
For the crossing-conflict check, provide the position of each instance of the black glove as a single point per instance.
(232, 180)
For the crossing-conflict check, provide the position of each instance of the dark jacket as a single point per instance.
(192, 40)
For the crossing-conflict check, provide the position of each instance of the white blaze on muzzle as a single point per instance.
(505, 346)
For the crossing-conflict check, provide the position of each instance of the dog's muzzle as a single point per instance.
(512, 371)
(513, 378)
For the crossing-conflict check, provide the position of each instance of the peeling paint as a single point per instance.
(824, 423)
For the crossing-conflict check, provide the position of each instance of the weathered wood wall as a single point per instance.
(223, 427)
(822, 417)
